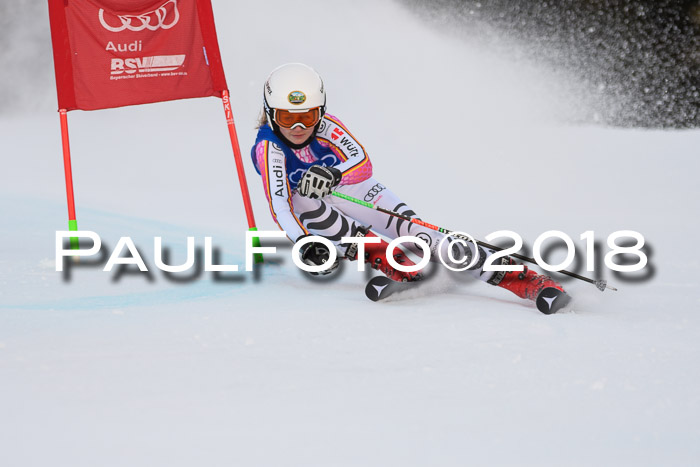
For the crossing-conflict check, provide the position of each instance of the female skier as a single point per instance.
(303, 154)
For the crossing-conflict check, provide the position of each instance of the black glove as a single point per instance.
(316, 254)
(319, 181)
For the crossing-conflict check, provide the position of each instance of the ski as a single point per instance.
(380, 287)
(550, 300)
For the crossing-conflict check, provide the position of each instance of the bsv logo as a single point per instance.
(165, 16)
(156, 64)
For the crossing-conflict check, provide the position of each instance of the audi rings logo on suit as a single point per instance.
(374, 191)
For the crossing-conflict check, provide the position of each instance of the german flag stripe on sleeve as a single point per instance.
(291, 209)
(268, 181)
(334, 148)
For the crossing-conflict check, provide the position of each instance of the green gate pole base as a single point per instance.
(257, 257)
(73, 226)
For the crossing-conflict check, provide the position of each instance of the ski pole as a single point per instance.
(600, 284)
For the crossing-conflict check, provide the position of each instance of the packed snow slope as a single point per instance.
(272, 369)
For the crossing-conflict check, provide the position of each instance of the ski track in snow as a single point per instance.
(283, 370)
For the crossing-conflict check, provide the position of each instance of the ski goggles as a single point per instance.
(289, 118)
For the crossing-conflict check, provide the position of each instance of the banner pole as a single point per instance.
(72, 222)
(241, 172)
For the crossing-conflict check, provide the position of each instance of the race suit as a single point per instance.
(281, 168)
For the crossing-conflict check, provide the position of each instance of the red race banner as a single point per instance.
(112, 53)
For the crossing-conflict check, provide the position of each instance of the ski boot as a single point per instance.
(376, 257)
(548, 295)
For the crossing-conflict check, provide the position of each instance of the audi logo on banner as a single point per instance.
(164, 17)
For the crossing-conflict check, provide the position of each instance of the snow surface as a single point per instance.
(274, 369)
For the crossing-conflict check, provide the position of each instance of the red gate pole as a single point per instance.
(72, 222)
(241, 172)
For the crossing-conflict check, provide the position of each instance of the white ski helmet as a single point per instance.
(293, 86)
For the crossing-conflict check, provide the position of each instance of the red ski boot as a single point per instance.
(548, 295)
(375, 256)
